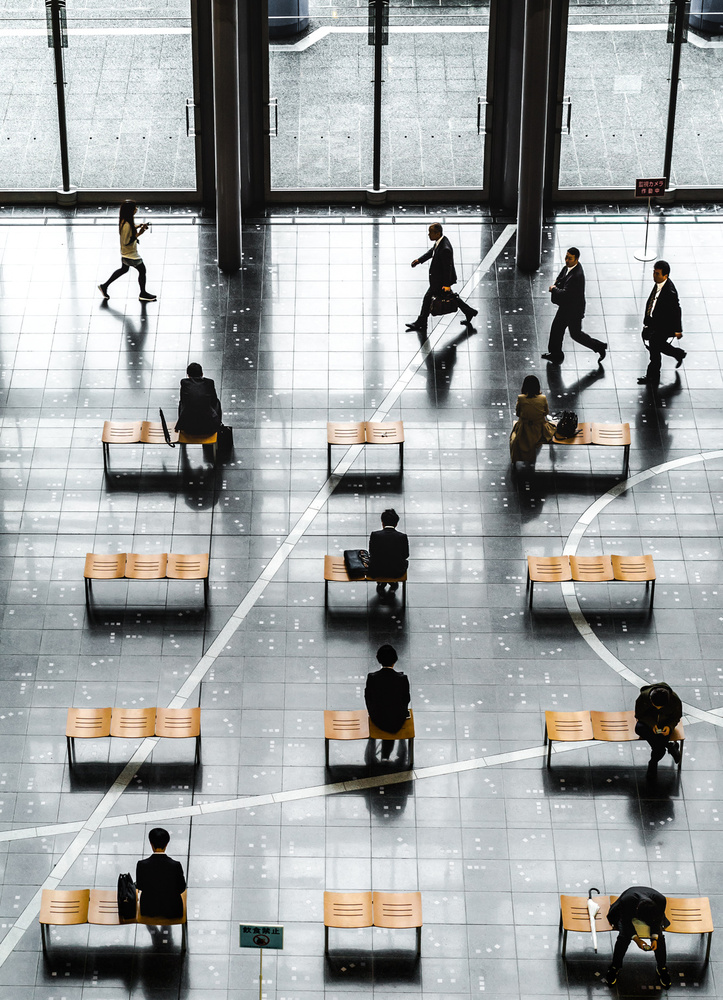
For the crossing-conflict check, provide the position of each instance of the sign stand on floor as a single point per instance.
(648, 188)
(261, 936)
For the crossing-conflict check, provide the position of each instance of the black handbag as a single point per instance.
(566, 425)
(225, 440)
(356, 562)
(443, 304)
(126, 897)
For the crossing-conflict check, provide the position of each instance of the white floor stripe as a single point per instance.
(568, 589)
(100, 813)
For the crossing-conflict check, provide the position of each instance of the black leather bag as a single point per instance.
(225, 440)
(566, 425)
(126, 897)
(356, 562)
(443, 304)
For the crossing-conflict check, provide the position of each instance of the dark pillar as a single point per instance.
(678, 33)
(253, 40)
(507, 28)
(226, 124)
(533, 132)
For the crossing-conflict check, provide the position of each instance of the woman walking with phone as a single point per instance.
(130, 257)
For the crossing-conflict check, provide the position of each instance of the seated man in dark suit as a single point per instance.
(639, 915)
(160, 880)
(388, 551)
(199, 408)
(387, 696)
(658, 710)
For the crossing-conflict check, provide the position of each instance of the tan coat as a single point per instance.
(531, 428)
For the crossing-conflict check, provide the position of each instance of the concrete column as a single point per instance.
(226, 124)
(254, 114)
(533, 132)
(506, 42)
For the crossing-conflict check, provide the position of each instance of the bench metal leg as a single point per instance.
(215, 452)
(549, 752)
(626, 461)
(401, 455)
(326, 593)
(410, 744)
(70, 742)
(652, 592)
(404, 593)
(43, 932)
(106, 456)
(326, 940)
(707, 950)
(205, 590)
(681, 744)
(532, 589)
(197, 758)
(419, 941)
(564, 941)
(326, 751)
(184, 938)
(87, 592)
(328, 457)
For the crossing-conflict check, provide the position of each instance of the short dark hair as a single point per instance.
(649, 913)
(437, 227)
(159, 838)
(574, 251)
(194, 370)
(390, 517)
(387, 655)
(660, 697)
(531, 386)
(662, 265)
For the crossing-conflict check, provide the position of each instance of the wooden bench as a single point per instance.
(68, 907)
(335, 572)
(365, 432)
(146, 432)
(591, 569)
(138, 566)
(356, 725)
(603, 435)
(686, 916)
(132, 724)
(379, 909)
(607, 727)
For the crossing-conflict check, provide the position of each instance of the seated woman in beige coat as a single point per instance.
(532, 426)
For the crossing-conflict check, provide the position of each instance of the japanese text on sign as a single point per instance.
(261, 936)
(649, 187)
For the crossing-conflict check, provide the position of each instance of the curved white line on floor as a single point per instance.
(102, 810)
(568, 589)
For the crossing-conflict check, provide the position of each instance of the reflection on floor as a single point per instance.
(313, 329)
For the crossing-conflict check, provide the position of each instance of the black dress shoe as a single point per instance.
(417, 326)
(664, 976)
(674, 751)
(551, 358)
(602, 354)
(643, 381)
(681, 359)
(611, 976)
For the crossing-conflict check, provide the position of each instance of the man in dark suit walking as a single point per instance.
(387, 696)
(388, 551)
(442, 276)
(639, 915)
(568, 294)
(662, 321)
(160, 880)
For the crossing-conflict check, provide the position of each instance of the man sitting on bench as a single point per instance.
(160, 880)
(387, 696)
(658, 710)
(388, 551)
(199, 408)
(639, 915)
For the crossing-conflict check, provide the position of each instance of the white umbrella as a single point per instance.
(593, 909)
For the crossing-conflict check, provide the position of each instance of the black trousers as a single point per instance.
(126, 264)
(623, 943)
(427, 305)
(658, 742)
(563, 321)
(657, 345)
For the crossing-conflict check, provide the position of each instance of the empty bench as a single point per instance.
(137, 566)
(132, 724)
(591, 569)
(147, 432)
(686, 916)
(608, 727)
(356, 725)
(335, 572)
(379, 909)
(68, 907)
(365, 432)
(603, 435)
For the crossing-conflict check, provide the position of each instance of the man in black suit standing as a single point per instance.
(388, 551)
(199, 408)
(568, 294)
(639, 915)
(160, 880)
(662, 321)
(387, 696)
(442, 276)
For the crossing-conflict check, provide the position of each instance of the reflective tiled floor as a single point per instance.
(313, 329)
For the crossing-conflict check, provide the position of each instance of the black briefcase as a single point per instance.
(444, 303)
